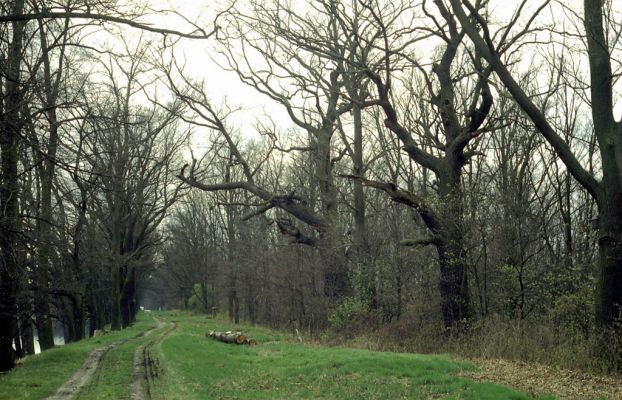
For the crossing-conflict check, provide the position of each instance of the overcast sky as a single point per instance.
(225, 85)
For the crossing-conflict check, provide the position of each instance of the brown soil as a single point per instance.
(538, 379)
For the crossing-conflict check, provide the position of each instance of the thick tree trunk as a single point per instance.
(453, 282)
(609, 296)
(68, 320)
(451, 251)
(128, 297)
(7, 312)
(361, 247)
(43, 319)
(234, 306)
(24, 314)
(115, 301)
(26, 334)
(360, 230)
(10, 270)
(336, 283)
(79, 316)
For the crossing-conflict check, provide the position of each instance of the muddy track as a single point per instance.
(147, 367)
(83, 375)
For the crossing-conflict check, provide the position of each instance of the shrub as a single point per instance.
(346, 312)
(574, 313)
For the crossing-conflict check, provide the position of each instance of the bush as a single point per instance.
(346, 312)
(574, 313)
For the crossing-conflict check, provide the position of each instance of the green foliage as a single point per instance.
(195, 303)
(575, 312)
(346, 312)
(363, 282)
(199, 298)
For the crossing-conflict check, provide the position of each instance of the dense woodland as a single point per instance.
(440, 168)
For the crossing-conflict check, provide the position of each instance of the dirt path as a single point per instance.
(146, 366)
(83, 375)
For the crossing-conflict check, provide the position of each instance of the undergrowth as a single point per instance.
(544, 341)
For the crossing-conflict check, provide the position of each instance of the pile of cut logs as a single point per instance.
(231, 337)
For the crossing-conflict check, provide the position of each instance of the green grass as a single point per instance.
(39, 376)
(196, 367)
(114, 377)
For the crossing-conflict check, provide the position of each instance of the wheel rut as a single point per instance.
(147, 367)
(84, 375)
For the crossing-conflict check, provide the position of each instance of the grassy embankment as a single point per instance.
(195, 367)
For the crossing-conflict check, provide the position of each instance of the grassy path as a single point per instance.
(41, 375)
(83, 376)
(183, 364)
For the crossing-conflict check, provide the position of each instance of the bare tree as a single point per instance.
(135, 151)
(452, 132)
(299, 51)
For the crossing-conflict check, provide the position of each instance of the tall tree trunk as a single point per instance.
(43, 319)
(451, 251)
(78, 274)
(609, 296)
(10, 270)
(335, 268)
(69, 325)
(360, 230)
(115, 301)
(79, 326)
(232, 293)
(567, 219)
(128, 297)
(361, 248)
(24, 312)
(47, 170)
(609, 195)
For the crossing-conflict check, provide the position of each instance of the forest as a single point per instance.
(444, 173)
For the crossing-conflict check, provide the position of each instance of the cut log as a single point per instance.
(231, 337)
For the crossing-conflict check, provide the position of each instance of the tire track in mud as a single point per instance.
(84, 375)
(147, 367)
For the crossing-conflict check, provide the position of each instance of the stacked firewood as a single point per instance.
(231, 337)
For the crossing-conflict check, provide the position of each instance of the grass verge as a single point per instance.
(195, 367)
